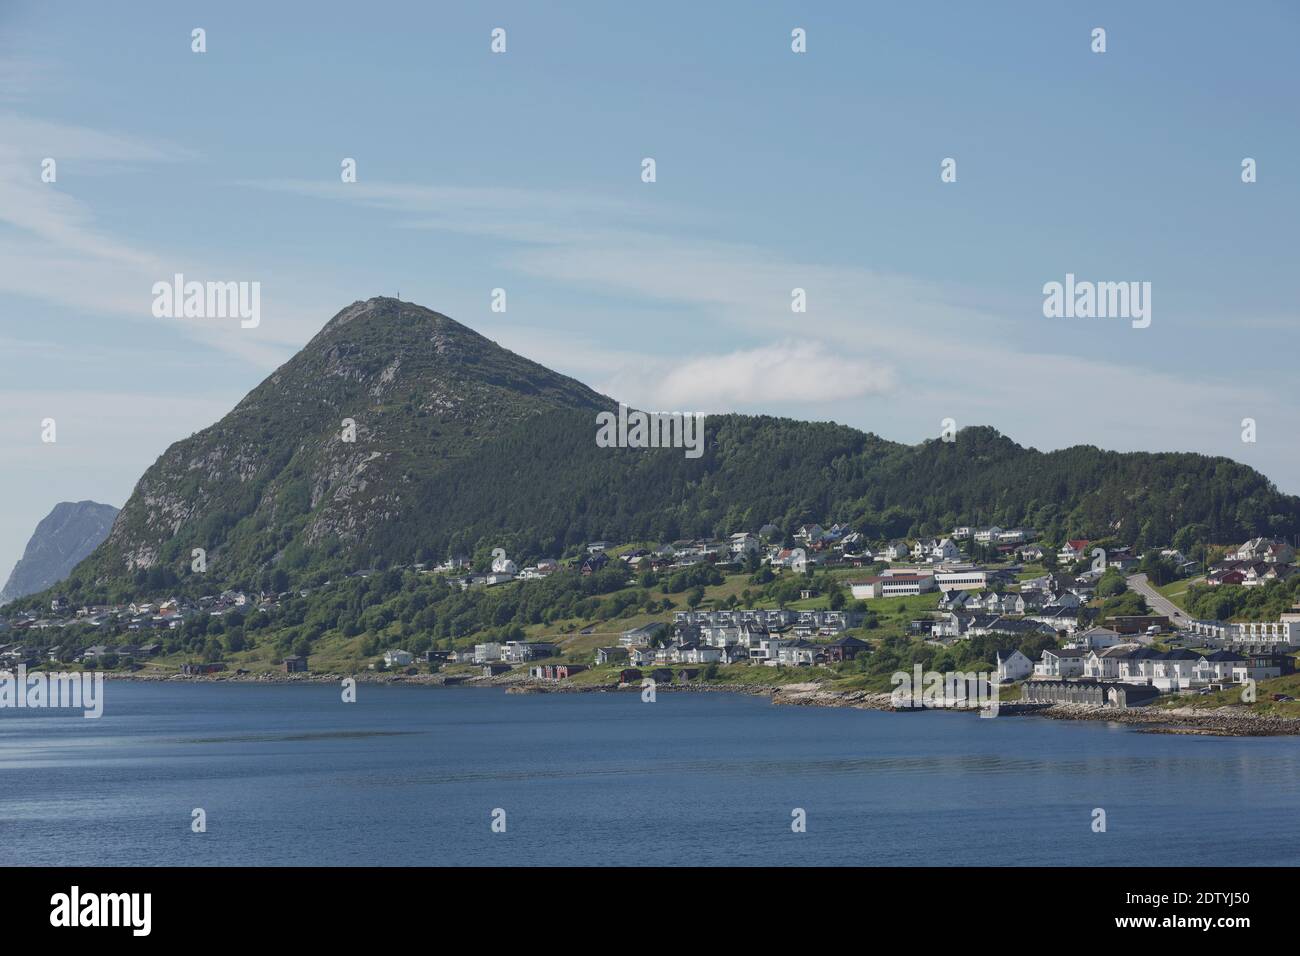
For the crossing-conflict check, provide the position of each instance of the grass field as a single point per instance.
(1176, 591)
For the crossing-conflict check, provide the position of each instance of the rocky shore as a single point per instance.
(1233, 721)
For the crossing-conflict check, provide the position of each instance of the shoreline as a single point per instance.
(1183, 721)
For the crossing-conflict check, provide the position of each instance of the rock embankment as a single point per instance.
(1232, 721)
(1219, 722)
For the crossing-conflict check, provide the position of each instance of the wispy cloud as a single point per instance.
(890, 353)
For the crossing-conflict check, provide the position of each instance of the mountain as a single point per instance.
(462, 446)
(62, 539)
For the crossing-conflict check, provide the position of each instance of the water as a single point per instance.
(288, 774)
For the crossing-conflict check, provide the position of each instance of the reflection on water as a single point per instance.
(291, 775)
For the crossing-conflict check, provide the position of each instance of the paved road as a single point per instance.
(1159, 603)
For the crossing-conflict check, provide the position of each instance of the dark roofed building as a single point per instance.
(846, 648)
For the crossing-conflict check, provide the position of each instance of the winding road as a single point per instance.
(1159, 603)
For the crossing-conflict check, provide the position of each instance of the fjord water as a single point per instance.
(288, 774)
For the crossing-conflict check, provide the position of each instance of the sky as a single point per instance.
(774, 170)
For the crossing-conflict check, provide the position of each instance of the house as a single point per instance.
(1104, 664)
(519, 652)
(611, 655)
(987, 535)
(641, 656)
(492, 670)
(945, 550)
(954, 600)
(1058, 663)
(1096, 639)
(798, 654)
(699, 654)
(1261, 574)
(593, 563)
(845, 648)
(398, 658)
(1076, 549)
(1013, 666)
(1031, 552)
(1225, 575)
(1218, 667)
(295, 665)
(1056, 617)
(897, 551)
(1274, 635)
(646, 634)
(1019, 627)
(1267, 550)
(1259, 667)
(1129, 663)
(487, 652)
(629, 675)
(743, 543)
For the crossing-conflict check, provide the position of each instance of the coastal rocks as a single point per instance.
(814, 695)
(1220, 722)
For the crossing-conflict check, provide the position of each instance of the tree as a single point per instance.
(1112, 583)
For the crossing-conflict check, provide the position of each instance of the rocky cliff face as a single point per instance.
(331, 445)
(62, 539)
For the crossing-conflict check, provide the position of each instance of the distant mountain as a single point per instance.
(461, 445)
(62, 539)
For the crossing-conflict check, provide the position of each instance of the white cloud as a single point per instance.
(789, 372)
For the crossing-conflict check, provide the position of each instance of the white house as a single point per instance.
(486, 653)
(398, 658)
(1060, 663)
(1104, 664)
(897, 551)
(945, 550)
(1218, 668)
(700, 654)
(1073, 550)
(1096, 639)
(1265, 549)
(1012, 665)
(797, 654)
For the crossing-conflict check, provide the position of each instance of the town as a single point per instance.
(1074, 623)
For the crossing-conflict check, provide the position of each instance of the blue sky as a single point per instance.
(775, 171)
